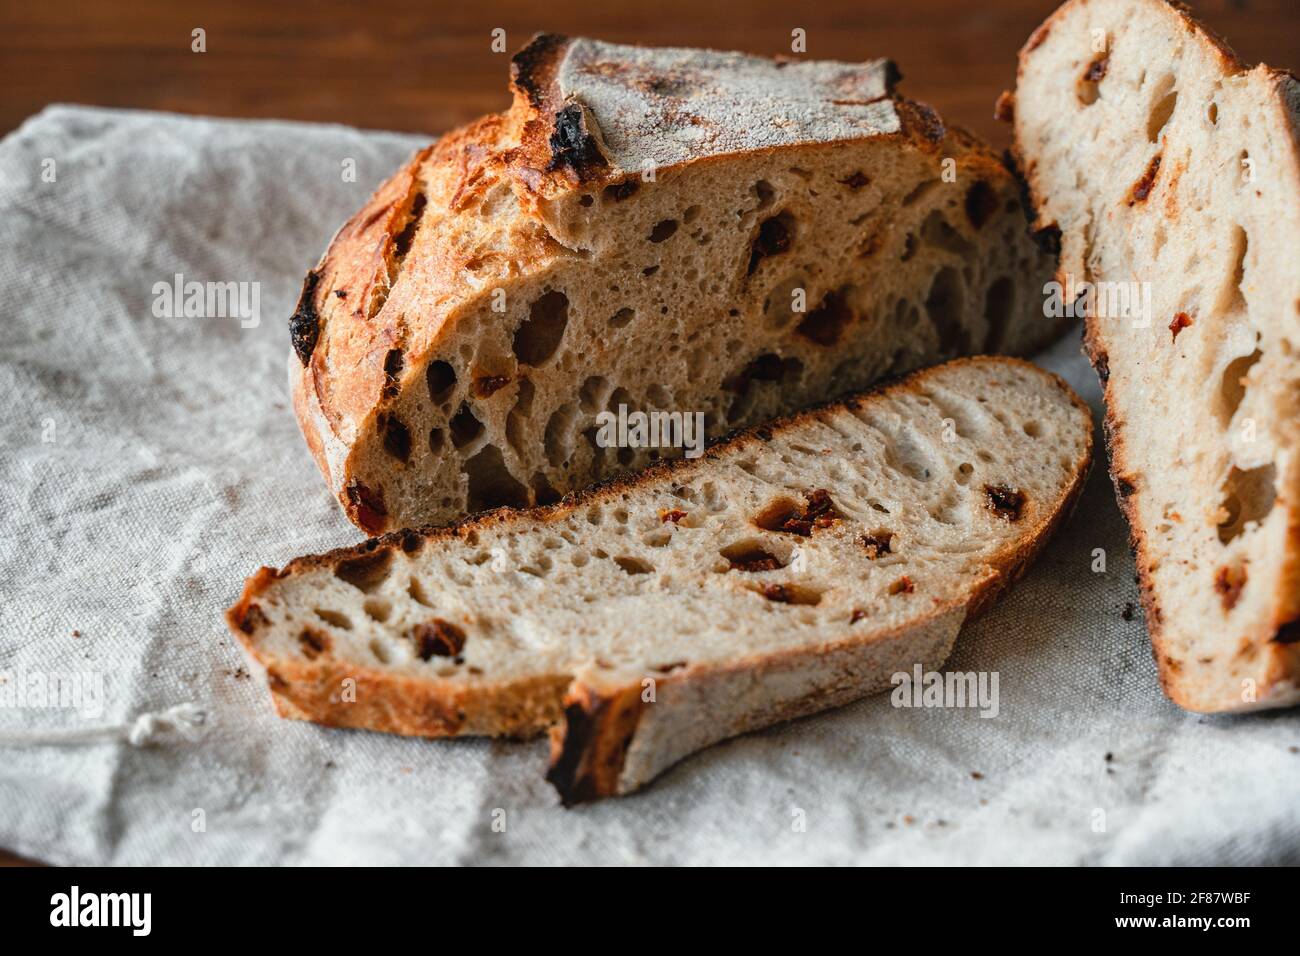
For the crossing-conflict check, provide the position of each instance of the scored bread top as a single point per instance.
(646, 107)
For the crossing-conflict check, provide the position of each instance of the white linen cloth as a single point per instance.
(149, 463)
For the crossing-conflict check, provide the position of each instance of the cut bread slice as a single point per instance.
(794, 567)
(676, 230)
(1173, 174)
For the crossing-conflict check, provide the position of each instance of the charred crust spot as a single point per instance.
(1125, 485)
(367, 506)
(893, 76)
(763, 433)
(587, 756)
(572, 145)
(981, 204)
(1180, 321)
(486, 385)
(340, 293)
(527, 65)
(304, 324)
(252, 619)
(1007, 503)
(366, 572)
(437, 638)
(1101, 364)
(313, 643)
(1143, 187)
(929, 123)
(855, 181)
(1004, 110)
(877, 544)
(672, 516)
(1228, 584)
(411, 542)
(1288, 633)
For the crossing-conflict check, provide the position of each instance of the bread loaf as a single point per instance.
(654, 229)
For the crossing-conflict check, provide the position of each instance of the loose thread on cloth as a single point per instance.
(184, 723)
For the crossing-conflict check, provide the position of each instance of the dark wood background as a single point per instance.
(426, 66)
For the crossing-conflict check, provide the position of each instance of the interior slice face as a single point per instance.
(737, 289)
(1171, 171)
(844, 525)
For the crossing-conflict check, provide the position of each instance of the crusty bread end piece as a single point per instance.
(794, 567)
(1165, 161)
(666, 229)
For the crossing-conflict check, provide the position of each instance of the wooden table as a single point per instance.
(426, 67)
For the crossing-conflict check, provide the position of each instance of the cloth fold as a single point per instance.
(151, 461)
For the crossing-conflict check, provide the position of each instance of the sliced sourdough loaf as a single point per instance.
(805, 232)
(1165, 162)
(794, 567)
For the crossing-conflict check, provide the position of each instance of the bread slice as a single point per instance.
(794, 567)
(1164, 161)
(807, 232)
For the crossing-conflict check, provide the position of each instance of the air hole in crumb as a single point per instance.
(1164, 101)
(396, 437)
(1088, 88)
(366, 572)
(790, 594)
(943, 305)
(416, 590)
(1248, 496)
(633, 565)
(620, 191)
(442, 379)
(465, 427)
(436, 440)
(765, 193)
(1232, 390)
(334, 617)
(393, 364)
(903, 585)
(557, 440)
(621, 318)
(491, 485)
(663, 229)
(825, 324)
(750, 555)
(1005, 502)
(1033, 429)
(775, 236)
(981, 204)
(964, 471)
(539, 335)
(999, 303)
(377, 609)
(380, 651)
